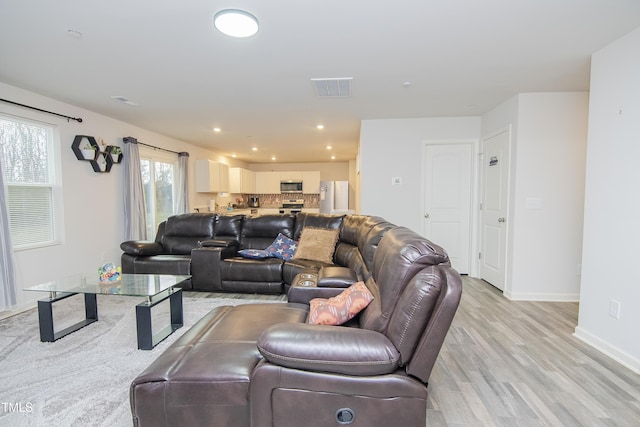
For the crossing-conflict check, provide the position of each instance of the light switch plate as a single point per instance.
(396, 180)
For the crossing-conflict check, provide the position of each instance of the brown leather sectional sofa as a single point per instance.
(206, 246)
(263, 365)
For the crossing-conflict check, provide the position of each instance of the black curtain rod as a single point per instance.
(163, 149)
(77, 119)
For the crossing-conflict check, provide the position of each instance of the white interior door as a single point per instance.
(495, 191)
(447, 195)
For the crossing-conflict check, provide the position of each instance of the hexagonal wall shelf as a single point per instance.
(86, 147)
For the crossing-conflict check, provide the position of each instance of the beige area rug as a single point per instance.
(82, 379)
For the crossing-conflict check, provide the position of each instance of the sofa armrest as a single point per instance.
(304, 294)
(142, 247)
(335, 349)
(336, 277)
(205, 267)
(218, 243)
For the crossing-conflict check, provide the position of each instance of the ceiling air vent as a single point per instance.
(124, 100)
(339, 87)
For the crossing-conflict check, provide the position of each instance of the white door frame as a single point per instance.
(509, 224)
(474, 266)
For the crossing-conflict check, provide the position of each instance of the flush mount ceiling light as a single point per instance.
(236, 23)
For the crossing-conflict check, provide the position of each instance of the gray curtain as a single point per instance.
(182, 181)
(135, 220)
(7, 271)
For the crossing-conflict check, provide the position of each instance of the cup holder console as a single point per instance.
(306, 280)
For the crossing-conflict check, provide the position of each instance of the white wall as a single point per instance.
(393, 148)
(548, 148)
(612, 204)
(93, 209)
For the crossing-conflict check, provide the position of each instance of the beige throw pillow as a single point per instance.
(317, 244)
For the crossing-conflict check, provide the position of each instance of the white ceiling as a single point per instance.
(462, 57)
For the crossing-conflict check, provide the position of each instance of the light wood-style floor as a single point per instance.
(509, 363)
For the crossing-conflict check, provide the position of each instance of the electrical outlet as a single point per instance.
(614, 309)
(396, 180)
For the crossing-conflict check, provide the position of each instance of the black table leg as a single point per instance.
(146, 338)
(45, 316)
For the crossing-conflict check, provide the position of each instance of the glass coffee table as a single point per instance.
(156, 288)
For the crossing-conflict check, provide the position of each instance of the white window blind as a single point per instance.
(26, 152)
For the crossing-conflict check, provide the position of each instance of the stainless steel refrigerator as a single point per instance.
(334, 197)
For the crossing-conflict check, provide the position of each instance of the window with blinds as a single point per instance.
(28, 170)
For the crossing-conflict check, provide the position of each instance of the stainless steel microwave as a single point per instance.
(291, 186)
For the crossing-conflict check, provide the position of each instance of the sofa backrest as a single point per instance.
(416, 294)
(258, 232)
(359, 237)
(228, 227)
(428, 343)
(400, 255)
(181, 233)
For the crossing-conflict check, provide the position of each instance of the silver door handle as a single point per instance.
(502, 220)
(426, 215)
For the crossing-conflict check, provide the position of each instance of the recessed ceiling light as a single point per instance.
(333, 157)
(320, 127)
(273, 157)
(234, 155)
(217, 129)
(329, 147)
(255, 149)
(236, 23)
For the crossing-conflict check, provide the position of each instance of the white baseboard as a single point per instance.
(613, 352)
(524, 296)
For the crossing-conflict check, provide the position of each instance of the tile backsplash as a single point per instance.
(275, 200)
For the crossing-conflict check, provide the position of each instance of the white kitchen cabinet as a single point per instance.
(211, 177)
(248, 181)
(311, 182)
(242, 181)
(267, 182)
(290, 176)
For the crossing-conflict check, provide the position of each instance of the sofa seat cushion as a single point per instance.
(251, 270)
(163, 264)
(203, 378)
